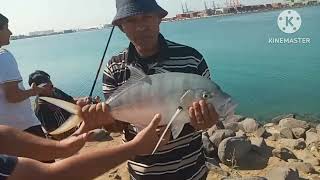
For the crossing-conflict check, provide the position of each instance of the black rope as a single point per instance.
(101, 62)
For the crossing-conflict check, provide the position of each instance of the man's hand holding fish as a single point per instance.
(202, 115)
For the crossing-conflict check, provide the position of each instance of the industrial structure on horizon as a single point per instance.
(235, 6)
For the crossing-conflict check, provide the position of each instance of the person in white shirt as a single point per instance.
(15, 105)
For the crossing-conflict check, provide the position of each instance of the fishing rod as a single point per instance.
(101, 62)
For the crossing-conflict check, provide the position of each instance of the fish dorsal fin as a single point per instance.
(136, 76)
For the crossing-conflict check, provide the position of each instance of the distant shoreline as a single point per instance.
(241, 13)
(168, 21)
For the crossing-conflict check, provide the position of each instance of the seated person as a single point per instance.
(50, 116)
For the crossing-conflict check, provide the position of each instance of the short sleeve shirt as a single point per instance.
(19, 115)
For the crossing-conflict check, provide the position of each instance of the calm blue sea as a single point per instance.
(265, 79)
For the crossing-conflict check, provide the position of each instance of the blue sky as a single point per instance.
(33, 15)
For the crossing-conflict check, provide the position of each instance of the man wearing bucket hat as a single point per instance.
(182, 158)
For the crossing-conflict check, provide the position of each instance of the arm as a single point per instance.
(19, 143)
(14, 94)
(89, 165)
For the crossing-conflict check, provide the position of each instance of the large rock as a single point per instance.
(209, 149)
(235, 118)
(234, 126)
(312, 137)
(293, 123)
(274, 137)
(220, 135)
(283, 154)
(318, 128)
(302, 167)
(283, 173)
(293, 143)
(315, 177)
(284, 116)
(260, 132)
(240, 133)
(286, 133)
(259, 145)
(269, 125)
(249, 125)
(232, 149)
(308, 157)
(299, 133)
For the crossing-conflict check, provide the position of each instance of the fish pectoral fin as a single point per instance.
(136, 76)
(187, 99)
(176, 114)
(71, 108)
(71, 122)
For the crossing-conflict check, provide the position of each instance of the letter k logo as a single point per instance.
(289, 21)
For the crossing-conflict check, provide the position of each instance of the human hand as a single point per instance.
(203, 115)
(71, 145)
(146, 140)
(96, 116)
(36, 90)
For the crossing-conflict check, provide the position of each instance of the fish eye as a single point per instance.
(205, 95)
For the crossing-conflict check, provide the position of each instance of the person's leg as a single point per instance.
(37, 131)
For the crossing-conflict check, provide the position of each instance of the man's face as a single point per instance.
(142, 30)
(5, 34)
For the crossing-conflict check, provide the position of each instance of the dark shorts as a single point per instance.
(7, 165)
(36, 130)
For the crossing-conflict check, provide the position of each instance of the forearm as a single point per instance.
(19, 95)
(22, 144)
(84, 166)
(92, 164)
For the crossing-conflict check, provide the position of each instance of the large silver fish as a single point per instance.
(142, 96)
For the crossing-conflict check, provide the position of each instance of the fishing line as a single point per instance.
(101, 62)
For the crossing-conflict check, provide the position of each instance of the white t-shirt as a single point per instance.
(19, 115)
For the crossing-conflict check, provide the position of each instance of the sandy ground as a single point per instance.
(121, 173)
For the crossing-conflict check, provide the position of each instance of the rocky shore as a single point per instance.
(244, 149)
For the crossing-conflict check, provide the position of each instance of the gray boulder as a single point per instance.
(293, 143)
(249, 125)
(318, 128)
(232, 149)
(240, 133)
(274, 137)
(284, 116)
(234, 126)
(308, 157)
(286, 133)
(315, 177)
(283, 173)
(312, 137)
(260, 132)
(259, 145)
(220, 135)
(209, 149)
(283, 154)
(299, 132)
(293, 123)
(302, 167)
